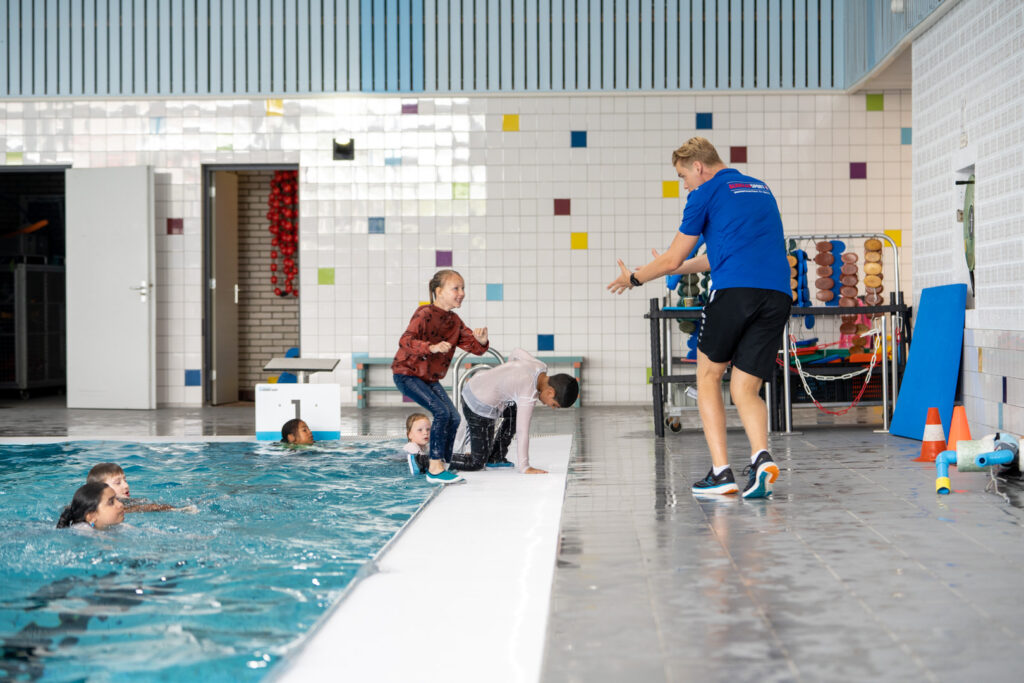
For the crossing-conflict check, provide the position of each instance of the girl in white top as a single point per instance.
(510, 390)
(417, 429)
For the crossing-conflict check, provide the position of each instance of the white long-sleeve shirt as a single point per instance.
(515, 381)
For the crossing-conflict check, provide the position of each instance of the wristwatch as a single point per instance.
(633, 281)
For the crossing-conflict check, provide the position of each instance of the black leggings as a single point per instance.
(488, 439)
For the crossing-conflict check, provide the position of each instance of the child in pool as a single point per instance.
(499, 403)
(424, 353)
(417, 430)
(296, 432)
(95, 504)
(112, 475)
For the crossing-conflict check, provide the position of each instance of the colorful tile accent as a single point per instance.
(413, 108)
(175, 226)
(406, 399)
(443, 259)
(157, 125)
(578, 240)
(193, 378)
(738, 155)
(545, 342)
(15, 158)
(495, 291)
(858, 170)
(392, 161)
(578, 138)
(510, 123)
(670, 189)
(704, 121)
(275, 107)
(874, 102)
(906, 136)
(375, 225)
(563, 207)
(896, 236)
(460, 190)
(325, 276)
(650, 375)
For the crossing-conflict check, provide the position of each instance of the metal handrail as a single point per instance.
(457, 376)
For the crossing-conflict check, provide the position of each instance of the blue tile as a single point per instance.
(545, 342)
(376, 225)
(905, 135)
(393, 161)
(193, 378)
(495, 291)
(579, 138)
(704, 121)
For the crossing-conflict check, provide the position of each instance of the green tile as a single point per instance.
(460, 190)
(15, 158)
(876, 102)
(325, 276)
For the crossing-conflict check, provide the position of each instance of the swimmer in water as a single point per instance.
(296, 432)
(111, 474)
(94, 504)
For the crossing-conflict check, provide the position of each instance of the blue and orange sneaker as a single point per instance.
(716, 484)
(762, 474)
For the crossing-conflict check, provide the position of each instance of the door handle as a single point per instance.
(142, 289)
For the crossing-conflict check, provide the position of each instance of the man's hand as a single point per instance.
(621, 283)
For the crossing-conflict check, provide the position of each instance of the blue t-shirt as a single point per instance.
(740, 221)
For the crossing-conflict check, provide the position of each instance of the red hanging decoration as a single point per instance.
(284, 228)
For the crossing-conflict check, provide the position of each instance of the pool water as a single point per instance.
(218, 594)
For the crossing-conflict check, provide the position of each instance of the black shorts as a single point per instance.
(744, 325)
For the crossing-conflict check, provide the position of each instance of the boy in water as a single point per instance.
(112, 475)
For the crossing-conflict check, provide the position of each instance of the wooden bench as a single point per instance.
(362, 364)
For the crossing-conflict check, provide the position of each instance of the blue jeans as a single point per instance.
(433, 397)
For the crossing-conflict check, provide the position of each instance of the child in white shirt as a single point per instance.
(417, 429)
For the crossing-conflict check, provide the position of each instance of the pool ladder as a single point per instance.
(460, 377)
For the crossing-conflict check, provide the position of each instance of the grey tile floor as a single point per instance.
(854, 570)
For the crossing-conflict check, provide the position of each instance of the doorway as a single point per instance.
(245, 322)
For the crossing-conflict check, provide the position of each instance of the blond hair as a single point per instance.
(103, 471)
(697, 149)
(413, 419)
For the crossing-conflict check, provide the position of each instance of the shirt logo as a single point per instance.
(742, 188)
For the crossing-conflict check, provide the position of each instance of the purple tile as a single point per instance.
(737, 155)
(858, 170)
(562, 207)
(175, 226)
(413, 108)
(443, 259)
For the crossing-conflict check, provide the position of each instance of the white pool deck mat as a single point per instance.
(461, 595)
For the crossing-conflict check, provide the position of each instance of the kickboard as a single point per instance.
(933, 362)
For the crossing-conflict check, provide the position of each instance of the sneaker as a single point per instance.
(762, 474)
(721, 484)
(444, 477)
(500, 463)
(414, 467)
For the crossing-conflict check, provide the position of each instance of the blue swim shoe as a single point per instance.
(716, 484)
(445, 477)
(762, 474)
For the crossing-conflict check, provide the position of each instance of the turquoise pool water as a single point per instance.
(214, 595)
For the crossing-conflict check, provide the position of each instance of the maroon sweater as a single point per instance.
(431, 325)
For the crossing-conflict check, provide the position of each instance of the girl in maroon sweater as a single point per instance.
(424, 353)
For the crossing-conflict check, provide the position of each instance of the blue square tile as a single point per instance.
(392, 161)
(376, 225)
(579, 138)
(545, 342)
(704, 121)
(193, 378)
(495, 291)
(905, 136)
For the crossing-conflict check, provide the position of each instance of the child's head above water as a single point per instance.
(447, 289)
(111, 474)
(95, 504)
(417, 428)
(296, 431)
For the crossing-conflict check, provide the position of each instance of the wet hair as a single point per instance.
(413, 419)
(86, 499)
(440, 277)
(567, 389)
(103, 471)
(290, 428)
(697, 149)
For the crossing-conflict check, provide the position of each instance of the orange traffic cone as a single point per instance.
(958, 428)
(933, 441)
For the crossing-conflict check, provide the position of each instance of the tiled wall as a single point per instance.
(531, 198)
(968, 109)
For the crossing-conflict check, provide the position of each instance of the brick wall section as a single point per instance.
(268, 325)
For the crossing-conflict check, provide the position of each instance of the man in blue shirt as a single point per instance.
(750, 300)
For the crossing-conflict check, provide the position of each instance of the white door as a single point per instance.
(111, 311)
(224, 283)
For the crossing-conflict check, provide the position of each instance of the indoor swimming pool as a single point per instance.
(218, 593)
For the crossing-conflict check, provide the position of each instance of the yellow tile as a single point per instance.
(979, 360)
(510, 122)
(896, 236)
(275, 107)
(424, 303)
(669, 188)
(579, 240)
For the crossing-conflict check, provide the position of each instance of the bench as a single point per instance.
(362, 363)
